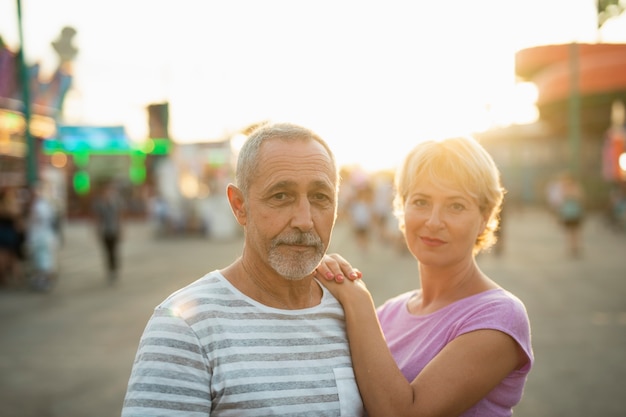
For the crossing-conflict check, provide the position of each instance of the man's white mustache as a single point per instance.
(309, 239)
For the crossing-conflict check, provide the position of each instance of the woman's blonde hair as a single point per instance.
(462, 162)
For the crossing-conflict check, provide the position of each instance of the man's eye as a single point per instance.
(279, 196)
(321, 197)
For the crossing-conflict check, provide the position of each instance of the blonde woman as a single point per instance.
(459, 344)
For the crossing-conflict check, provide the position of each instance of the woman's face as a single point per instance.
(442, 223)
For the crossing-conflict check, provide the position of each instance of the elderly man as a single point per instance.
(259, 337)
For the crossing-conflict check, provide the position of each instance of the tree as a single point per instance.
(608, 9)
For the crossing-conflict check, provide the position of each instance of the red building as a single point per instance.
(578, 88)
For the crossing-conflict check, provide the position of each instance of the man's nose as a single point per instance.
(302, 218)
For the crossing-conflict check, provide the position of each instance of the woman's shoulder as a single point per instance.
(496, 298)
(496, 309)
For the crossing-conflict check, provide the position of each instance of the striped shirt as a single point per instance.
(209, 350)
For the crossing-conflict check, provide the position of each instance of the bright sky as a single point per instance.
(372, 77)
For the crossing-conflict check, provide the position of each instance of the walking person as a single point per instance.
(382, 206)
(260, 336)
(108, 211)
(571, 213)
(42, 240)
(362, 216)
(10, 225)
(459, 344)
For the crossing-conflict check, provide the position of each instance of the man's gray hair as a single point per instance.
(248, 159)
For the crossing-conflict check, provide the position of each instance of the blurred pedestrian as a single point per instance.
(42, 240)
(158, 214)
(382, 205)
(108, 211)
(554, 195)
(10, 224)
(571, 212)
(459, 344)
(362, 216)
(260, 337)
(617, 207)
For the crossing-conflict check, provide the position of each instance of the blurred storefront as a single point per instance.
(93, 155)
(24, 129)
(191, 186)
(72, 159)
(188, 182)
(13, 148)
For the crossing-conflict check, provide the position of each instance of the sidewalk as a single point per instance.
(69, 353)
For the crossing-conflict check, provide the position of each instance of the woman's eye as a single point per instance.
(457, 206)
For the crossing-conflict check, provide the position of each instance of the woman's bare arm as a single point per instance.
(458, 377)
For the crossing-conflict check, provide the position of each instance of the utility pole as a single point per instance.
(31, 149)
(574, 110)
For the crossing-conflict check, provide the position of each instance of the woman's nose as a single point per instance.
(434, 218)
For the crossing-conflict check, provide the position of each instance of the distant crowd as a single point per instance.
(366, 203)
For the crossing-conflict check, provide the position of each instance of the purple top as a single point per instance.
(415, 340)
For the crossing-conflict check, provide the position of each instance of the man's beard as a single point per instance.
(296, 265)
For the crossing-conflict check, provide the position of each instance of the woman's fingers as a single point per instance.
(344, 291)
(335, 267)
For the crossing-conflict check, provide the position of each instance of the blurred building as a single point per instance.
(46, 101)
(580, 86)
(89, 156)
(188, 182)
(72, 159)
(191, 184)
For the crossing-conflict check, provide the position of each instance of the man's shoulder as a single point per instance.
(210, 285)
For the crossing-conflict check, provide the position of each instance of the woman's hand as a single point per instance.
(332, 272)
(335, 267)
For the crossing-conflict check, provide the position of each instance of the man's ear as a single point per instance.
(237, 203)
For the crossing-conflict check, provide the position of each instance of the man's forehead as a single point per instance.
(294, 156)
(312, 184)
(280, 146)
(300, 180)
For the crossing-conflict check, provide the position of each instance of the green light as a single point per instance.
(148, 146)
(137, 170)
(137, 157)
(81, 159)
(161, 146)
(137, 174)
(81, 182)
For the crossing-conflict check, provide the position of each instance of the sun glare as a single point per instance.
(373, 86)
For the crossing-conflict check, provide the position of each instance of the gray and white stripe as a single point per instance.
(210, 350)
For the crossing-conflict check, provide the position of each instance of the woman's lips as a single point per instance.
(431, 241)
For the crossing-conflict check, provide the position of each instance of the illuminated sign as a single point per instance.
(92, 139)
(40, 126)
(101, 140)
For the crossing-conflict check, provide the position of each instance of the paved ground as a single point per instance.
(68, 353)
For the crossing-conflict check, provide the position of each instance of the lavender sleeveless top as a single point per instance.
(416, 340)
